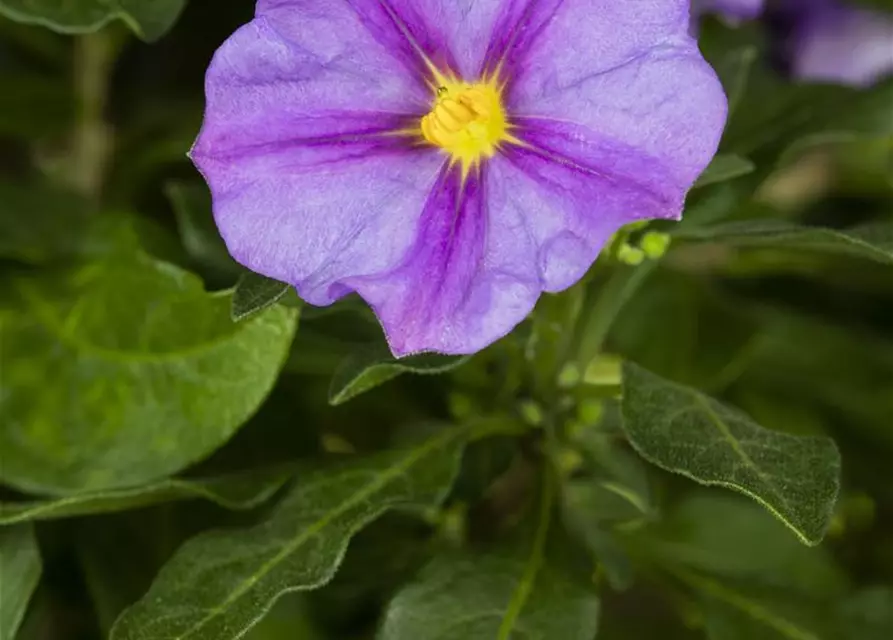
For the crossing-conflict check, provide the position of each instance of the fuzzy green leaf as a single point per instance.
(149, 19)
(148, 375)
(472, 596)
(254, 293)
(681, 430)
(20, 568)
(236, 491)
(370, 367)
(219, 584)
(511, 592)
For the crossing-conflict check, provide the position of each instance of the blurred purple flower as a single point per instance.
(835, 42)
(450, 160)
(734, 10)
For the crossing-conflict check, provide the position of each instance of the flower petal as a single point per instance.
(309, 183)
(528, 222)
(834, 42)
(461, 28)
(468, 279)
(541, 43)
(665, 103)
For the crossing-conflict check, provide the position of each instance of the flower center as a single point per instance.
(467, 120)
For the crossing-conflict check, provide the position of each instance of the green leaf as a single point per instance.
(374, 365)
(731, 538)
(20, 568)
(219, 584)
(254, 293)
(236, 491)
(872, 242)
(505, 593)
(724, 167)
(149, 19)
(681, 430)
(149, 374)
(735, 613)
(778, 116)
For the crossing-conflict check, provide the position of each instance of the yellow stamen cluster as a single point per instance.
(467, 120)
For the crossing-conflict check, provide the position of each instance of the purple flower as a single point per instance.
(730, 9)
(835, 42)
(450, 160)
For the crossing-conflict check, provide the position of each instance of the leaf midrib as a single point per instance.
(741, 453)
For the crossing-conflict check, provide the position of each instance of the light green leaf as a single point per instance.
(149, 19)
(515, 592)
(219, 584)
(873, 242)
(370, 367)
(724, 167)
(254, 293)
(20, 568)
(149, 374)
(243, 490)
(681, 430)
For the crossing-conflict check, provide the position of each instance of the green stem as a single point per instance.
(610, 301)
(93, 59)
(534, 561)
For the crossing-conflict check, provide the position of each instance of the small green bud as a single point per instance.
(531, 413)
(630, 255)
(655, 244)
(569, 376)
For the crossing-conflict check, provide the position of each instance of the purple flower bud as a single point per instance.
(834, 42)
(450, 160)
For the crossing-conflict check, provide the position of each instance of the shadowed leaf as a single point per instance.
(237, 491)
(370, 367)
(20, 568)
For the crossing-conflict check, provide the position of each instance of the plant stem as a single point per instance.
(93, 59)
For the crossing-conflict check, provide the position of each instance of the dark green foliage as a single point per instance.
(693, 443)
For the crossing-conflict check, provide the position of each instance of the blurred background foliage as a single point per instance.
(696, 441)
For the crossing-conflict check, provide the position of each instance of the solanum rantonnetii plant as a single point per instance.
(590, 338)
